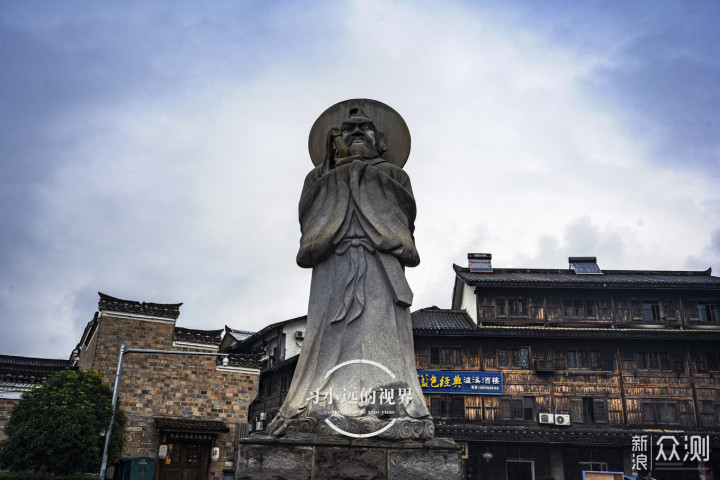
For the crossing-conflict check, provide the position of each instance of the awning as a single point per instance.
(175, 424)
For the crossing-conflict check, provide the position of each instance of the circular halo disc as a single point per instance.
(386, 120)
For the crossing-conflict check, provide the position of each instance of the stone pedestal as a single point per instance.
(313, 457)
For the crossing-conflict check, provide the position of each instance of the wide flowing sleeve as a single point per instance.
(322, 210)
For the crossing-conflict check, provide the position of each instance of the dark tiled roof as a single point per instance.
(238, 335)
(191, 425)
(267, 329)
(166, 310)
(241, 360)
(210, 337)
(434, 318)
(524, 331)
(29, 370)
(556, 434)
(519, 277)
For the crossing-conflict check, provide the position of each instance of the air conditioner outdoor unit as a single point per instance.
(544, 366)
(562, 419)
(547, 418)
(299, 335)
(263, 416)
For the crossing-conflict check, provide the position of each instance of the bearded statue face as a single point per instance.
(360, 136)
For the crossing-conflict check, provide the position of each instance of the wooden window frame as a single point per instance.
(456, 357)
(445, 359)
(587, 410)
(517, 409)
(660, 408)
(435, 355)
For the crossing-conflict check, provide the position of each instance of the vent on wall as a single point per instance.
(585, 265)
(480, 262)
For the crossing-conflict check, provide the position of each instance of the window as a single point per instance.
(516, 358)
(458, 407)
(659, 413)
(576, 413)
(599, 411)
(448, 406)
(665, 361)
(288, 381)
(518, 413)
(577, 359)
(637, 310)
(528, 409)
(456, 356)
(669, 311)
(517, 408)
(679, 366)
(588, 410)
(505, 409)
(713, 362)
(503, 358)
(434, 355)
(590, 310)
(651, 311)
(438, 406)
(521, 358)
(709, 312)
(445, 356)
(500, 307)
(517, 307)
(653, 361)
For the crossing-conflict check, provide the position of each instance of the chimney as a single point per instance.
(480, 262)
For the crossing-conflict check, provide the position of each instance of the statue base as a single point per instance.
(302, 456)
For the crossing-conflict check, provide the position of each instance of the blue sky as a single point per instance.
(156, 151)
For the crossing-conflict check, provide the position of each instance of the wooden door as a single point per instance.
(185, 461)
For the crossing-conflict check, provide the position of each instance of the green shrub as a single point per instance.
(45, 476)
(57, 427)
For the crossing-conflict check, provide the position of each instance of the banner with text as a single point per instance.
(468, 383)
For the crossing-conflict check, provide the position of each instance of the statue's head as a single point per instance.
(360, 135)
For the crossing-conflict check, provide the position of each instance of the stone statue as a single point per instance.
(356, 374)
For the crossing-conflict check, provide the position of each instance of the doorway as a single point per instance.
(185, 461)
(520, 470)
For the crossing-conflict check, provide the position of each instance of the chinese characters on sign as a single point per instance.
(472, 383)
(668, 451)
(362, 398)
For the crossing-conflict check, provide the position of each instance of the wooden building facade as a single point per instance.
(590, 362)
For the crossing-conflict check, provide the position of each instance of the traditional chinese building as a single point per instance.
(553, 372)
(278, 346)
(179, 407)
(18, 375)
(590, 361)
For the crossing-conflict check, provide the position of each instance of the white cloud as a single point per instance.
(191, 195)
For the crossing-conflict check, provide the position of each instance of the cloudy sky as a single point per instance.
(155, 151)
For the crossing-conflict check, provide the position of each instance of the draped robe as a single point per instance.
(357, 223)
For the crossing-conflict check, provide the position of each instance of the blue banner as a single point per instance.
(468, 383)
